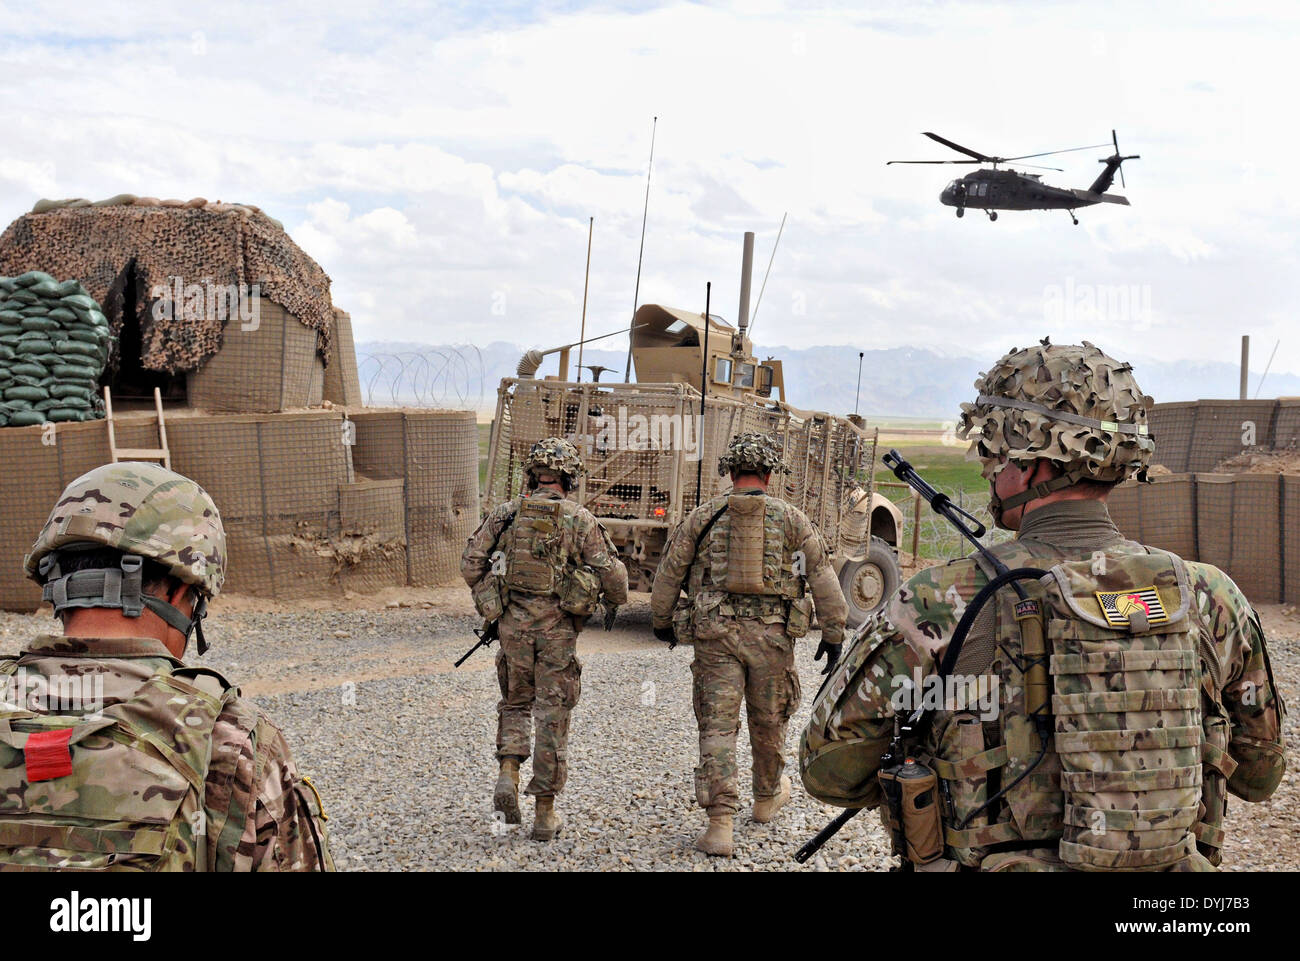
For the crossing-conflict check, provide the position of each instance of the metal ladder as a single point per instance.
(161, 453)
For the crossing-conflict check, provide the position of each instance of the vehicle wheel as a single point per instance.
(993, 215)
(867, 584)
(961, 211)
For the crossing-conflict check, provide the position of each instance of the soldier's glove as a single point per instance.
(666, 634)
(832, 652)
(611, 610)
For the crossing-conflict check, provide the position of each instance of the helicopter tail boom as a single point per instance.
(1091, 197)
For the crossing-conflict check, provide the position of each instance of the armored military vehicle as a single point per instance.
(651, 447)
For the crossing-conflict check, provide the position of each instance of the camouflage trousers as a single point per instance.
(751, 662)
(540, 678)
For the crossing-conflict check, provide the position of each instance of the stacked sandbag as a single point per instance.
(54, 345)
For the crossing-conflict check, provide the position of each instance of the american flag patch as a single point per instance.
(1118, 605)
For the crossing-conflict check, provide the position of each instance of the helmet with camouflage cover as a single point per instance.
(1069, 404)
(751, 451)
(145, 511)
(556, 455)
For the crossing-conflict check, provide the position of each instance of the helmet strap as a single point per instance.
(1035, 491)
(116, 587)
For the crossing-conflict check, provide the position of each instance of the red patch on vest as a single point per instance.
(47, 755)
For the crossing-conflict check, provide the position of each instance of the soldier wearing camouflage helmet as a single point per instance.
(747, 561)
(169, 766)
(538, 566)
(1157, 697)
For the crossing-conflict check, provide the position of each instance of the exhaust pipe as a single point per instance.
(746, 273)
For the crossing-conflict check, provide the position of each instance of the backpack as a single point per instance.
(121, 789)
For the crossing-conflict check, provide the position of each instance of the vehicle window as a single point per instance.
(722, 370)
(765, 374)
(745, 375)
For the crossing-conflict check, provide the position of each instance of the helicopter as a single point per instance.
(992, 190)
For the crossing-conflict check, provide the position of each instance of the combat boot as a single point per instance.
(716, 838)
(506, 796)
(765, 808)
(546, 823)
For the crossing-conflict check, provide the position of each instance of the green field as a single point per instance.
(944, 466)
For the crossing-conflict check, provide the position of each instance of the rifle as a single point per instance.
(486, 635)
(1029, 617)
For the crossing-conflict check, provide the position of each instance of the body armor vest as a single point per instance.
(1120, 784)
(533, 547)
(121, 789)
(744, 554)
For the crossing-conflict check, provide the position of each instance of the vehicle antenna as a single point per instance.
(858, 392)
(704, 388)
(759, 302)
(636, 294)
(586, 280)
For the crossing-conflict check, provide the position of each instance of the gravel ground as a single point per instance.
(401, 745)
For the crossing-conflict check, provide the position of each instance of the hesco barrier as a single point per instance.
(1246, 524)
(271, 368)
(435, 454)
(301, 519)
(1196, 436)
(342, 379)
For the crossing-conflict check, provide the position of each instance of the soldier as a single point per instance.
(544, 560)
(745, 559)
(1162, 695)
(120, 756)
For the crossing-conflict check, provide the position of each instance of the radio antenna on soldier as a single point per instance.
(704, 389)
(759, 302)
(636, 293)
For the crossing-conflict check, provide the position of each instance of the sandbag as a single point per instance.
(24, 297)
(29, 369)
(60, 390)
(74, 372)
(32, 395)
(65, 414)
(93, 335)
(31, 346)
(44, 324)
(17, 403)
(71, 288)
(84, 301)
(63, 315)
(77, 347)
(33, 277)
(26, 418)
(11, 317)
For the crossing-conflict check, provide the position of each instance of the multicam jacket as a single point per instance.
(980, 743)
(253, 812)
(580, 539)
(792, 555)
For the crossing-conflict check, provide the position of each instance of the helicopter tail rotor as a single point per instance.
(1114, 164)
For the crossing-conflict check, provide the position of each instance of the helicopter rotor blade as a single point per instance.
(888, 162)
(1048, 153)
(959, 148)
(1115, 141)
(1037, 167)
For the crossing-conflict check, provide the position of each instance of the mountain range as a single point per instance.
(897, 382)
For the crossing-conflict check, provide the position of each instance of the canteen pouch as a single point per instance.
(798, 618)
(487, 598)
(580, 591)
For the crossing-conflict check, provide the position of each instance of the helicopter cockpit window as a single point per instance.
(722, 370)
(744, 375)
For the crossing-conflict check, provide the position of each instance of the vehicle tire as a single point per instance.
(993, 215)
(867, 584)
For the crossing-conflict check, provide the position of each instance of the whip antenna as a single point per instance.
(636, 294)
(762, 288)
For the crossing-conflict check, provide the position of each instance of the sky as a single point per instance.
(441, 161)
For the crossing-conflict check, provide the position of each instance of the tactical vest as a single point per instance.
(119, 790)
(1121, 781)
(1135, 774)
(745, 552)
(534, 547)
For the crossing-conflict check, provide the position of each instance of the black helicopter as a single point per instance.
(994, 190)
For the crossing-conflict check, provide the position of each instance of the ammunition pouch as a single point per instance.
(580, 591)
(488, 597)
(683, 629)
(798, 617)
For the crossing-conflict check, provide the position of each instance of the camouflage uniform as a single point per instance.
(259, 814)
(154, 765)
(537, 666)
(743, 650)
(1232, 741)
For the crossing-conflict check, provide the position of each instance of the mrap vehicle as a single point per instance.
(651, 455)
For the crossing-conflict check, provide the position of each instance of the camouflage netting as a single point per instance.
(54, 343)
(197, 241)
(1069, 404)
